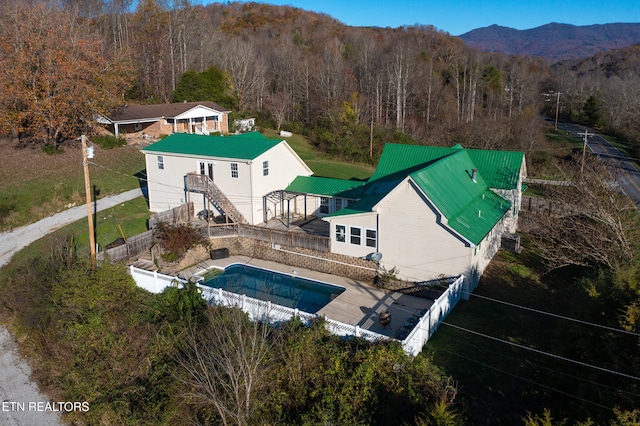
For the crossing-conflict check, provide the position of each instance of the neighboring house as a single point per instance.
(231, 174)
(429, 211)
(164, 119)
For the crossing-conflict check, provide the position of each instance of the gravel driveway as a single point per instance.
(21, 402)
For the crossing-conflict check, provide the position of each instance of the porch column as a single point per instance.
(264, 208)
(116, 127)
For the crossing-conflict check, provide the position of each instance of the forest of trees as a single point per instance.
(63, 62)
(299, 69)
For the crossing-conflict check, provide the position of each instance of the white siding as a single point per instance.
(363, 222)
(412, 241)
(199, 112)
(166, 186)
(284, 167)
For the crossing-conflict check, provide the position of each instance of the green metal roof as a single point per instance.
(404, 159)
(500, 169)
(364, 205)
(325, 186)
(445, 177)
(246, 146)
(470, 207)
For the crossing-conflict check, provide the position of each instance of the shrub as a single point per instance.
(177, 239)
(52, 149)
(109, 142)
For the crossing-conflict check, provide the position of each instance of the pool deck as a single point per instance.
(360, 304)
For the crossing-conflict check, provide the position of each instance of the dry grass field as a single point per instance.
(34, 184)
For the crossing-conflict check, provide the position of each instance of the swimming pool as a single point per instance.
(286, 290)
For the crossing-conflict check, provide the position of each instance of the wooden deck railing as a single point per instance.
(274, 236)
(203, 184)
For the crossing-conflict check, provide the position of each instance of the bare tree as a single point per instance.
(247, 70)
(224, 365)
(277, 105)
(591, 224)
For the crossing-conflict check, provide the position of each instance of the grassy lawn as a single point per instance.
(500, 383)
(323, 166)
(34, 185)
(130, 216)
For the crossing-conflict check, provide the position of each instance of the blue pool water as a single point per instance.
(293, 292)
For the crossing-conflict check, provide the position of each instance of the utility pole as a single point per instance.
(557, 109)
(87, 189)
(584, 135)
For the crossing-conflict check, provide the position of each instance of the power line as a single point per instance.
(559, 316)
(584, 364)
(552, 314)
(537, 366)
(529, 380)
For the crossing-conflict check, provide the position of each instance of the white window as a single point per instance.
(355, 235)
(341, 233)
(160, 162)
(234, 170)
(324, 205)
(265, 168)
(371, 237)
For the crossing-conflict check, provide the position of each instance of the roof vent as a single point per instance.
(479, 213)
(474, 174)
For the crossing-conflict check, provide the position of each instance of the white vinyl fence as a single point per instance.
(260, 310)
(428, 323)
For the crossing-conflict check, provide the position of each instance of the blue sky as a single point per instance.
(460, 16)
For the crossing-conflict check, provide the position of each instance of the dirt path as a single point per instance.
(21, 402)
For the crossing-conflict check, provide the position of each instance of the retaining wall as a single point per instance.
(329, 263)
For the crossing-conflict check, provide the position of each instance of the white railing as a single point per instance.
(260, 310)
(428, 323)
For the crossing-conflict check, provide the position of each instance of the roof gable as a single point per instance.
(246, 146)
(448, 182)
(470, 207)
(140, 112)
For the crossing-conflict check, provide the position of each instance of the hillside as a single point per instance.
(554, 41)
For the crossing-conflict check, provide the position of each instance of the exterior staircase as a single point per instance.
(204, 185)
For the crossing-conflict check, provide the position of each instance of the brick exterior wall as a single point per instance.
(329, 263)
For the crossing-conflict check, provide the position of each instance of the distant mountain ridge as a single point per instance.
(554, 41)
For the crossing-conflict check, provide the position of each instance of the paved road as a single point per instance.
(21, 403)
(628, 174)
